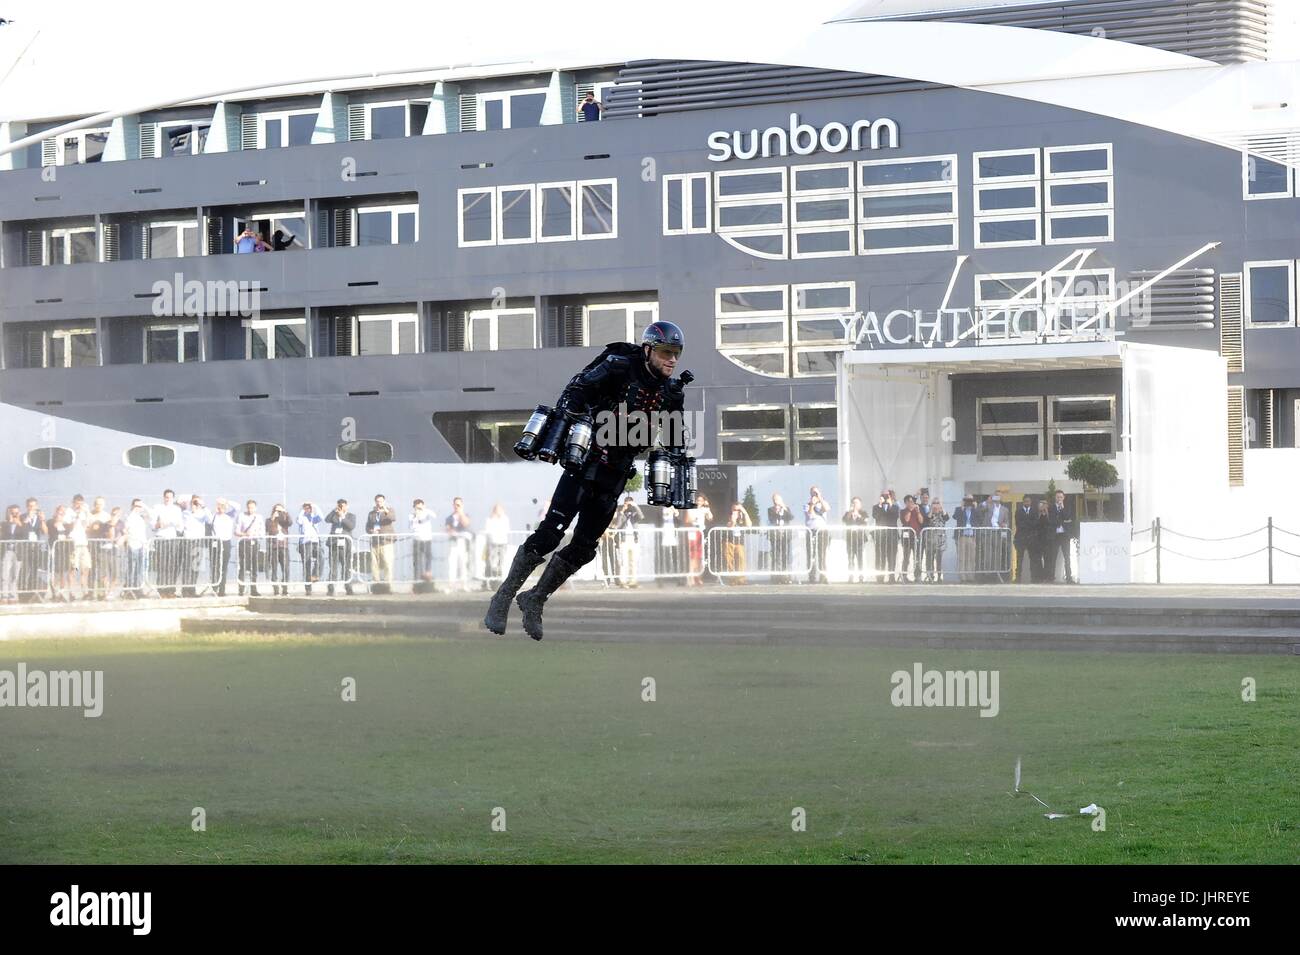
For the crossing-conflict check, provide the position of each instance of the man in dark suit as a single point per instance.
(967, 519)
(884, 514)
(1026, 522)
(781, 542)
(1064, 529)
(996, 550)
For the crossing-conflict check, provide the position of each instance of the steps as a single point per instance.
(976, 619)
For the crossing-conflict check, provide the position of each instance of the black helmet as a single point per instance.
(663, 333)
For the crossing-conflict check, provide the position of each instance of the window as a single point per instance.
(907, 205)
(557, 212)
(385, 334)
(1264, 179)
(477, 223)
(171, 343)
(70, 246)
(1270, 294)
(1008, 198)
(1026, 307)
(395, 120)
(73, 348)
(537, 212)
(149, 456)
(752, 325)
(754, 434)
(1009, 429)
(276, 130)
(48, 459)
(500, 329)
(182, 139)
(1079, 186)
(598, 216)
(254, 454)
(602, 324)
(292, 225)
(1081, 425)
(750, 210)
(170, 240)
(82, 146)
(687, 204)
(510, 110)
(364, 452)
(822, 210)
(819, 330)
(275, 338)
(515, 219)
(815, 437)
(386, 225)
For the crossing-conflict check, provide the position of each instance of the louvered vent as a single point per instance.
(49, 152)
(112, 248)
(35, 252)
(343, 335)
(342, 227)
(215, 235)
(1230, 322)
(148, 140)
(34, 348)
(572, 328)
(248, 131)
(1182, 299)
(1266, 409)
(1236, 436)
(468, 112)
(356, 121)
(146, 243)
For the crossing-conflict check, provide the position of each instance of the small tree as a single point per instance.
(634, 482)
(750, 504)
(1096, 475)
(1051, 490)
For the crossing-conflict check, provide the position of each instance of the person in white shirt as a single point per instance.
(250, 529)
(137, 538)
(222, 527)
(626, 520)
(77, 523)
(307, 528)
(194, 530)
(497, 528)
(166, 557)
(420, 521)
(815, 512)
(458, 529)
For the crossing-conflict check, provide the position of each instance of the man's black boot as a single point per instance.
(531, 601)
(525, 563)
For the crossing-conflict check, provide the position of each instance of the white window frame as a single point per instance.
(1050, 206)
(539, 198)
(1107, 426)
(1036, 218)
(797, 350)
(1291, 291)
(1009, 430)
(848, 231)
(847, 220)
(865, 247)
(1035, 176)
(732, 352)
(579, 197)
(493, 315)
(811, 434)
(849, 189)
(920, 218)
(629, 307)
(179, 224)
(1108, 236)
(688, 203)
(1246, 194)
(534, 214)
(782, 312)
(749, 435)
(907, 187)
(66, 334)
(768, 345)
(150, 444)
(194, 125)
(401, 208)
(398, 319)
(230, 455)
(798, 315)
(480, 113)
(60, 145)
(49, 447)
(182, 329)
(270, 325)
(1050, 151)
(1034, 208)
(491, 193)
(406, 113)
(721, 176)
(66, 235)
(365, 464)
(283, 117)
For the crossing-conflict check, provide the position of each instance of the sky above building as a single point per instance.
(62, 57)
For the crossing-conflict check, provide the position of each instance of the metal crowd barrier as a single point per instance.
(979, 550)
(773, 554)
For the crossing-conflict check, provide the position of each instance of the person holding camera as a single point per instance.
(855, 519)
(884, 514)
(733, 549)
(341, 524)
(625, 524)
(819, 538)
(277, 547)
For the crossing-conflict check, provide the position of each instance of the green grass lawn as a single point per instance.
(254, 730)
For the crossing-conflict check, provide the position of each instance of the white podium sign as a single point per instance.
(1104, 553)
